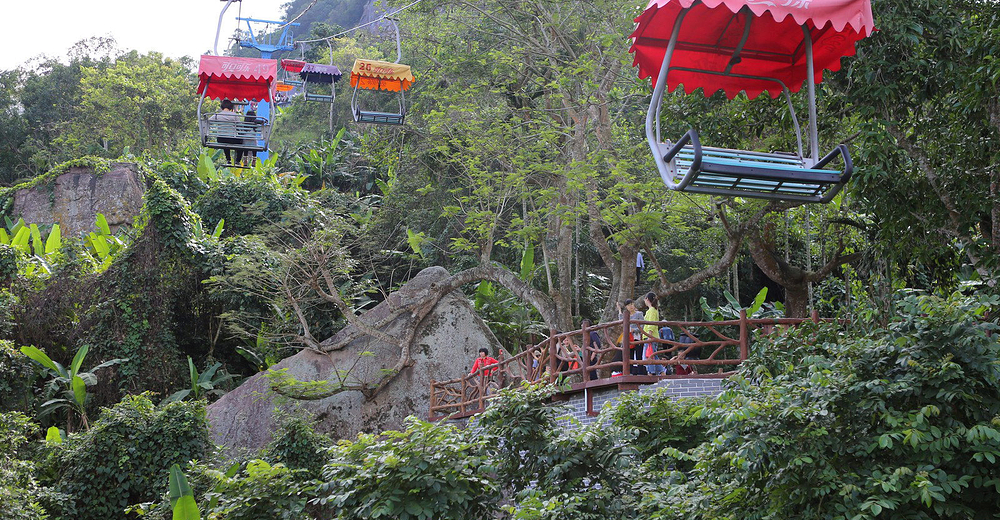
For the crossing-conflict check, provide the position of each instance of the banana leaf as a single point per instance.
(54, 241)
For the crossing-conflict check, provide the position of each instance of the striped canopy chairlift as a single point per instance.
(239, 80)
(312, 75)
(751, 46)
(381, 76)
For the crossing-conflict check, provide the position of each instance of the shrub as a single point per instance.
(551, 472)
(244, 204)
(19, 492)
(125, 457)
(258, 491)
(427, 471)
(657, 422)
(17, 376)
(900, 423)
(298, 446)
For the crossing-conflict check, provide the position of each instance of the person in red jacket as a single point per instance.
(484, 360)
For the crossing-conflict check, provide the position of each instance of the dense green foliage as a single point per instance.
(523, 156)
(124, 458)
(426, 471)
(17, 377)
(298, 446)
(20, 492)
(903, 421)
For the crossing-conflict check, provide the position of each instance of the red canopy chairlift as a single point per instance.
(754, 47)
(236, 79)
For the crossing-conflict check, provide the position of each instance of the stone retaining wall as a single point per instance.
(677, 388)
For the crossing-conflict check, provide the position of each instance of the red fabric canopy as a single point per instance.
(775, 47)
(292, 65)
(251, 79)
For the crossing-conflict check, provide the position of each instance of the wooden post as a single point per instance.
(585, 354)
(626, 343)
(815, 316)
(461, 405)
(744, 336)
(482, 389)
(430, 413)
(553, 362)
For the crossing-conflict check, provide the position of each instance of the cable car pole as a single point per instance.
(267, 47)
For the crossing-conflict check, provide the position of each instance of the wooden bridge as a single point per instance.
(709, 349)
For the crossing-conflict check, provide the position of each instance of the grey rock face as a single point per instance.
(445, 345)
(74, 199)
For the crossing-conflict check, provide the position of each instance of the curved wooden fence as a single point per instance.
(715, 348)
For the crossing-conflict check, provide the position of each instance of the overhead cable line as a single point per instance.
(352, 29)
(289, 22)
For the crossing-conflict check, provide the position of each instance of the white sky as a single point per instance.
(173, 27)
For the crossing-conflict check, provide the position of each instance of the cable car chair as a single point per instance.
(381, 75)
(749, 46)
(290, 66)
(283, 93)
(247, 79)
(317, 74)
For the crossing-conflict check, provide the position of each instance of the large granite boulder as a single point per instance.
(73, 199)
(444, 346)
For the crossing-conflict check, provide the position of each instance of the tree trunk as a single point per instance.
(793, 279)
(797, 301)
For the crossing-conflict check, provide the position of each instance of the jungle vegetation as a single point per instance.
(524, 171)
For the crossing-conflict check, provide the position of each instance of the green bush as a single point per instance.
(125, 458)
(899, 423)
(298, 446)
(17, 376)
(258, 491)
(657, 422)
(11, 261)
(428, 471)
(244, 204)
(551, 472)
(20, 494)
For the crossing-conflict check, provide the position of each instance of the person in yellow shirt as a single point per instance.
(650, 333)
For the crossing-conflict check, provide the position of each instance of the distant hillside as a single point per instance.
(345, 13)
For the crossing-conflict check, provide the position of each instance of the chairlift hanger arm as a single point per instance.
(743, 40)
(784, 89)
(218, 30)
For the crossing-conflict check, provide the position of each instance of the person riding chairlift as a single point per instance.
(229, 114)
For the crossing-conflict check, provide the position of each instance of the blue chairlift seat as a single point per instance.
(738, 173)
(692, 57)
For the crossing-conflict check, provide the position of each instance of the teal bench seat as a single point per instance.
(777, 176)
(385, 118)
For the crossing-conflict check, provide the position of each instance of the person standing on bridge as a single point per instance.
(595, 346)
(635, 350)
(484, 360)
(651, 333)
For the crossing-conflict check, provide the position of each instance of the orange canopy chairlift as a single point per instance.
(236, 79)
(753, 47)
(381, 75)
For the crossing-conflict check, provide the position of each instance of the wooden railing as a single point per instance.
(716, 348)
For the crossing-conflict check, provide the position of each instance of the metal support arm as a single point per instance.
(840, 150)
